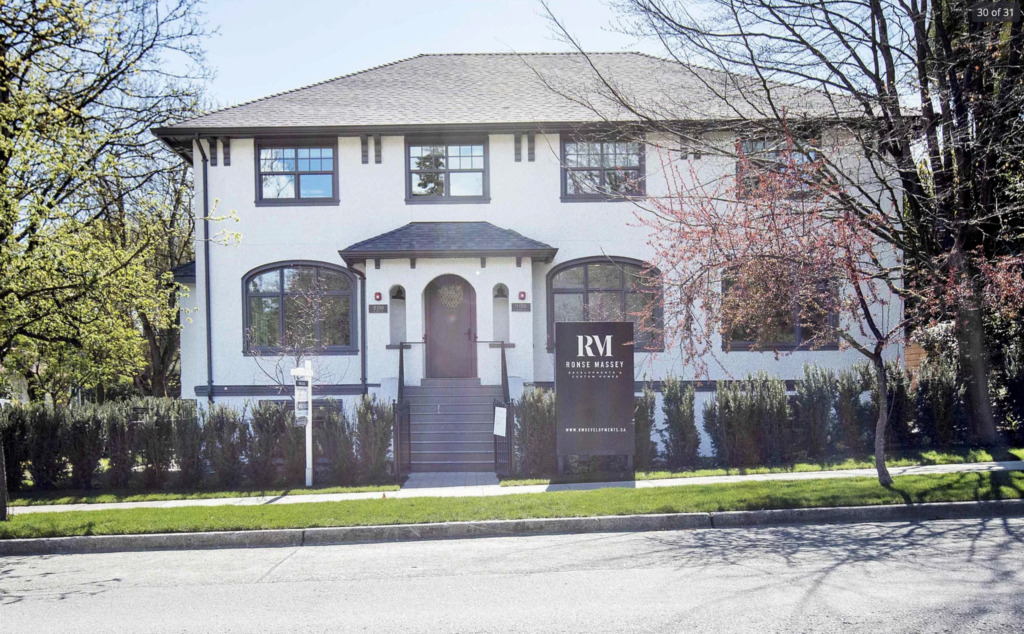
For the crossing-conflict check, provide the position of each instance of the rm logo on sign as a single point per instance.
(602, 344)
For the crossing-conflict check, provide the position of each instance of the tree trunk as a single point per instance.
(881, 427)
(975, 367)
(3, 482)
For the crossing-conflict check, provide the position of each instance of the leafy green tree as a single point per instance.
(81, 83)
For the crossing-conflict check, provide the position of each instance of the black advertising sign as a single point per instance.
(594, 388)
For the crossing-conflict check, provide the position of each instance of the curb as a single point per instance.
(505, 528)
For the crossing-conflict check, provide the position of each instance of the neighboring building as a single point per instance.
(445, 201)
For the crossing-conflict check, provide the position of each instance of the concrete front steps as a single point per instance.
(451, 425)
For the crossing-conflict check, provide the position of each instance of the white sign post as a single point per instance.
(304, 412)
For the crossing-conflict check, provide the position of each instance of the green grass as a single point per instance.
(907, 459)
(700, 498)
(38, 498)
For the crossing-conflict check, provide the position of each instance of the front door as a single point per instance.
(451, 328)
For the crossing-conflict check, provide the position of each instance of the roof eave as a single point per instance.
(359, 257)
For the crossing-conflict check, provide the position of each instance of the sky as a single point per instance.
(267, 46)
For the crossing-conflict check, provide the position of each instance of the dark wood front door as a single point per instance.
(451, 328)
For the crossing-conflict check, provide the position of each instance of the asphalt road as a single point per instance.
(950, 576)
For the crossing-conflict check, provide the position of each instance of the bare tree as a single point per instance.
(932, 101)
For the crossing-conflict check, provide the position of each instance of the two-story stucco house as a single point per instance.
(446, 207)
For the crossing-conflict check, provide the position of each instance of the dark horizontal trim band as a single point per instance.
(638, 386)
(281, 390)
(397, 346)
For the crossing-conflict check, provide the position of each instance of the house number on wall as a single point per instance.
(520, 308)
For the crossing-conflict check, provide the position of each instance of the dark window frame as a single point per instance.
(447, 198)
(566, 197)
(654, 345)
(799, 343)
(296, 144)
(765, 163)
(352, 294)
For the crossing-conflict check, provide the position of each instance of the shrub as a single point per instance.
(939, 402)
(154, 435)
(646, 450)
(748, 421)
(226, 440)
(374, 420)
(853, 417)
(14, 423)
(46, 457)
(682, 442)
(83, 442)
(120, 443)
(292, 448)
(816, 397)
(335, 441)
(900, 406)
(266, 436)
(535, 432)
(188, 444)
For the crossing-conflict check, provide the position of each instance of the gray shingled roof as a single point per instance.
(505, 88)
(447, 239)
(185, 273)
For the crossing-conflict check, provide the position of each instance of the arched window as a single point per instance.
(603, 289)
(501, 328)
(300, 307)
(396, 299)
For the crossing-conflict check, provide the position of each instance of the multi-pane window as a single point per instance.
(602, 169)
(790, 326)
(303, 307)
(762, 159)
(604, 290)
(296, 173)
(440, 171)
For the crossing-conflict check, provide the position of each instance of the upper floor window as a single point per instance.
(605, 289)
(767, 165)
(305, 307)
(293, 173)
(447, 172)
(601, 170)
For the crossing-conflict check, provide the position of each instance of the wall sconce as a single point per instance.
(376, 297)
(522, 295)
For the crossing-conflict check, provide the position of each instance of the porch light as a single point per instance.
(398, 293)
(500, 292)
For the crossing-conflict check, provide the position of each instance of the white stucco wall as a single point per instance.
(524, 198)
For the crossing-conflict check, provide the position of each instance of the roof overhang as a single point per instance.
(360, 257)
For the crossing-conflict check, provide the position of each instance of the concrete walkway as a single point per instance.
(467, 490)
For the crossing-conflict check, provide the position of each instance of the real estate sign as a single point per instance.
(594, 388)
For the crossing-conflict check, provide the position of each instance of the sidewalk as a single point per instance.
(415, 488)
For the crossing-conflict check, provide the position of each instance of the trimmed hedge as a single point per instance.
(155, 443)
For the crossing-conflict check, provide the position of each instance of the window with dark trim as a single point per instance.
(290, 173)
(446, 171)
(605, 289)
(300, 307)
(789, 329)
(602, 170)
(763, 158)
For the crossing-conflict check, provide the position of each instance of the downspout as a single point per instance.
(206, 273)
(362, 329)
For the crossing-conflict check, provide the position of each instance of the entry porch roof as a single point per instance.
(447, 240)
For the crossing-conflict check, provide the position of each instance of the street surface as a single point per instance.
(949, 576)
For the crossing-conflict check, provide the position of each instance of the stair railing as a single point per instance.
(504, 446)
(401, 430)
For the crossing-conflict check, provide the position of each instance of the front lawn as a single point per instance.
(38, 498)
(904, 459)
(738, 496)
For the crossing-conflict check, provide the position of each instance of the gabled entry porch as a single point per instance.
(449, 319)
